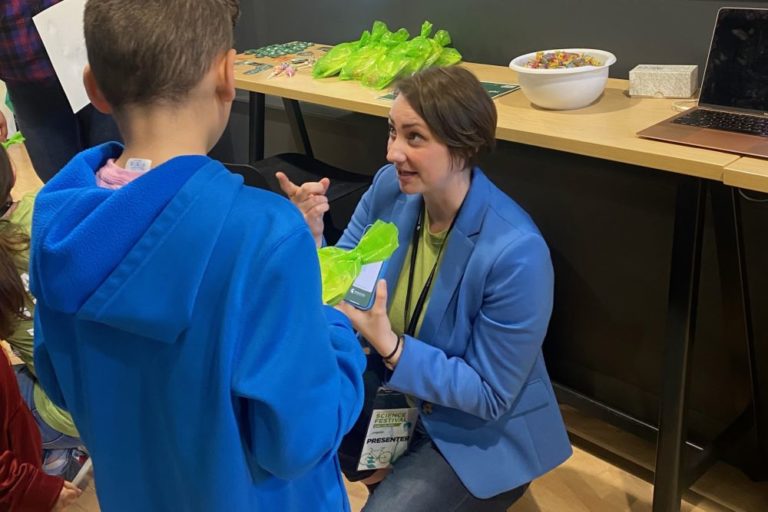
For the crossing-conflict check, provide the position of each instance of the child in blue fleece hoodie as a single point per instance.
(179, 315)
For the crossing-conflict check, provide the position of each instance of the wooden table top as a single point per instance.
(747, 173)
(606, 129)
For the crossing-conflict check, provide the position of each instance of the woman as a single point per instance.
(471, 296)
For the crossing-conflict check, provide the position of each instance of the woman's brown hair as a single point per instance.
(456, 108)
(13, 296)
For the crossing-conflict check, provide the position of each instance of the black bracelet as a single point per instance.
(397, 347)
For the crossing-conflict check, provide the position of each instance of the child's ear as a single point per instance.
(225, 87)
(94, 92)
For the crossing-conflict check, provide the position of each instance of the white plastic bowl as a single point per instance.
(563, 88)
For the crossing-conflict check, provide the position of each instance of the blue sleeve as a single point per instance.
(505, 339)
(44, 371)
(298, 375)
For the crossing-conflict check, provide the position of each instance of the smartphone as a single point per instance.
(362, 293)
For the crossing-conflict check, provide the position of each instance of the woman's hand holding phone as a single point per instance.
(374, 323)
(311, 201)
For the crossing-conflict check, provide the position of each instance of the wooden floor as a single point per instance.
(585, 483)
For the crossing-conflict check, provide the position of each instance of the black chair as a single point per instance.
(345, 190)
(251, 175)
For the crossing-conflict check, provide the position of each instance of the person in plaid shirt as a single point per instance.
(54, 133)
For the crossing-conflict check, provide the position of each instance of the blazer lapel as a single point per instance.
(457, 252)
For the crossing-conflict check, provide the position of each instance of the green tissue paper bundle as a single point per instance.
(380, 57)
(339, 268)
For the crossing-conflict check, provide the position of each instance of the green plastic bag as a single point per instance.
(16, 138)
(378, 30)
(448, 57)
(361, 61)
(418, 50)
(380, 57)
(332, 62)
(409, 57)
(392, 39)
(340, 268)
(366, 55)
(442, 39)
(388, 68)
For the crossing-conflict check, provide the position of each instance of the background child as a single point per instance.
(61, 444)
(23, 484)
(179, 315)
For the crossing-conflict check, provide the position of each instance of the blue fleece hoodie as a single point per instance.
(179, 320)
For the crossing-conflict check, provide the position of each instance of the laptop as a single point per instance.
(732, 111)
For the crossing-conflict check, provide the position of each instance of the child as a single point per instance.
(179, 315)
(23, 484)
(61, 444)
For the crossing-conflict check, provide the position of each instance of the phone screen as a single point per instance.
(363, 290)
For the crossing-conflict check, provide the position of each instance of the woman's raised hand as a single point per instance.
(311, 201)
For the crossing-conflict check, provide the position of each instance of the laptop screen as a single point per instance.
(737, 68)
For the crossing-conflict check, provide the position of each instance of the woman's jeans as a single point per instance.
(422, 481)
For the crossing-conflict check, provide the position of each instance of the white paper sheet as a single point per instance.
(61, 29)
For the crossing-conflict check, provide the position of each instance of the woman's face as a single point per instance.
(423, 163)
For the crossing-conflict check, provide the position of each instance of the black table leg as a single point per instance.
(298, 128)
(681, 325)
(255, 127)
(737, 314)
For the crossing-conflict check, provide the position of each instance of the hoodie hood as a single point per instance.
(131, 258)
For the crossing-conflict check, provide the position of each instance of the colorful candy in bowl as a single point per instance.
(563, 79)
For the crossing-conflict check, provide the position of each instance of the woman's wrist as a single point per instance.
(392, 356)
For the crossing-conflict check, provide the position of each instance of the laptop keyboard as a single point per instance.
(727, 121)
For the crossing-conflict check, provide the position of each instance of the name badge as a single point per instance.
(389, 431)
(138, 165)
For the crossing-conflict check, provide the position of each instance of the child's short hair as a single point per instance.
(147, 51)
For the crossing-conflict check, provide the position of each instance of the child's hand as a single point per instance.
(69, 493)
(311, 201)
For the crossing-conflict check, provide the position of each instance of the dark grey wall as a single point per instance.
(495, 31)
(608, 225)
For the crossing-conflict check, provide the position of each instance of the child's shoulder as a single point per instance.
(264, 212)
(22, 214)
(258, 201)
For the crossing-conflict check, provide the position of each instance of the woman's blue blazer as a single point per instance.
(476, 368)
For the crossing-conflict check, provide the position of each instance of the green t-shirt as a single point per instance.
(429, 247)
(22, 340)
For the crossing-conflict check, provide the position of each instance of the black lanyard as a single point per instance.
(410, 327)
